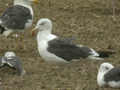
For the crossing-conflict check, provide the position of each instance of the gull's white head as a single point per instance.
(105, 67)
(25, 2)
(9, 54)
(43, 24)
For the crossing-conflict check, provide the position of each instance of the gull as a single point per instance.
(17, 18)
(108, 75)
(12, 61)
(55, 49)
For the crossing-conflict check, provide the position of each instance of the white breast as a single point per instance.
(100, 79)
(47, 56)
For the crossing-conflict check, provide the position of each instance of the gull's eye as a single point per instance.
(106, 68)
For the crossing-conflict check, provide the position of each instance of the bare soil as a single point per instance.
(90, 21)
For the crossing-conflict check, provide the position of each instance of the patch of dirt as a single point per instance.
(90, 21)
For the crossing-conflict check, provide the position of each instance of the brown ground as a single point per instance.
(89, 20)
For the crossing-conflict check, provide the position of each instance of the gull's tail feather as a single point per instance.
(100, 55)
(105, 54)
(95, 58)
(2, 29)
(94, 55)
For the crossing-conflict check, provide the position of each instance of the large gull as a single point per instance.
(108, 75)
(53, 48)
(18, 17)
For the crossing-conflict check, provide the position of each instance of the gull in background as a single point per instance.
(17, 18)
(12, 61)
(108, 75)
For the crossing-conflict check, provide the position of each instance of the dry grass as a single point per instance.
(89, 20)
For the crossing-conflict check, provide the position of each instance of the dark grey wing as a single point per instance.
(16, 63)
(112, 75)
(67, 50)
(15, 17)
(68, 40)
(19, 66)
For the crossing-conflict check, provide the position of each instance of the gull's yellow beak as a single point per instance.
(33, 32)
(35, 1)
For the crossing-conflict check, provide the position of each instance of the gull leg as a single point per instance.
(113, 10)
(19, 40)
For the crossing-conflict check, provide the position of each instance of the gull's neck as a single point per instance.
(45, 36)
(101, 72)
(100, 78)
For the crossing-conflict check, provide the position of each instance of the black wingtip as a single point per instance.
(105, 54)
(2, 29)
